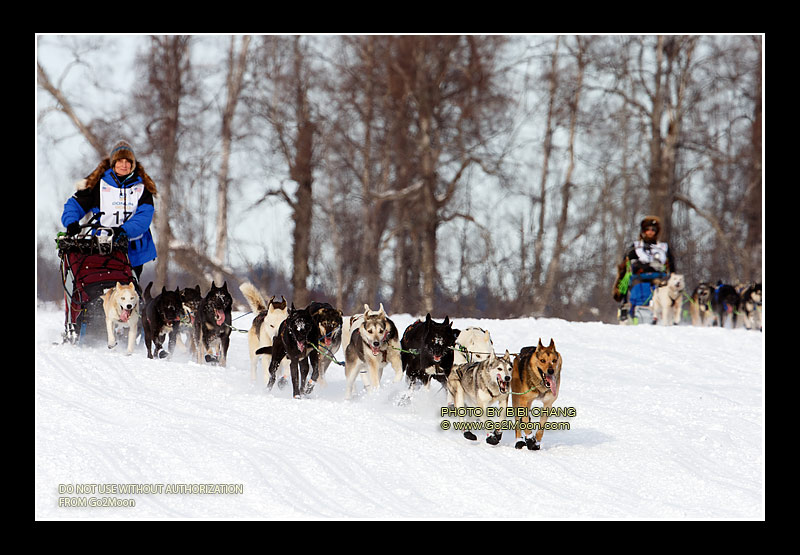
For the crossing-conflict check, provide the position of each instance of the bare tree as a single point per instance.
(448, 85)
(547, 150)
(233, 88)
(167, 66)
(544, 296)
(753, 198)
(64, 106)
(284, 69)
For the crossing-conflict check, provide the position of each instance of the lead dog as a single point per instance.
(482, 383)
(668, 300)
(537, 376)
(700, 308)
(121, 306)
(373, 343)
(269, 315)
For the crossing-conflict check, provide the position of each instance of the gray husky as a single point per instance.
(373, 342)
(482, 383)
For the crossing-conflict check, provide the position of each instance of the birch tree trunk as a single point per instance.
(544, 297)
(547, 149)
(234, 82)
(667, 107)
(168, 64)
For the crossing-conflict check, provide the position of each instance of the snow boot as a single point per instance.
(494, 438)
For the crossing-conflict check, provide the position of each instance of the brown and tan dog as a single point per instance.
(536, 377)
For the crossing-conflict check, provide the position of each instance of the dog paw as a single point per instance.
(112, 346)
(309, 387)
(493, 439)
(282, 382)
(530, 443)
(211, 359)
(470, 436)
(163, 354)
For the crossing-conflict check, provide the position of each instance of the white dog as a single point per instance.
(668, 300)
(472, 344)
(121, 306)
(264, 328)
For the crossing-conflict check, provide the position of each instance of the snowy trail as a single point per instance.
(669, 425)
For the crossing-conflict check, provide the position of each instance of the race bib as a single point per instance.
(653, 254)
(118, 204)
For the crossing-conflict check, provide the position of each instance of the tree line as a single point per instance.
(486, 176)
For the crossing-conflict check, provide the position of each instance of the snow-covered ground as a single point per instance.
(669, 424)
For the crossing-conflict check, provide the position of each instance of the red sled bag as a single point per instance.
(90, 264)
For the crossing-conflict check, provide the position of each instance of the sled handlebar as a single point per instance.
(102, 242)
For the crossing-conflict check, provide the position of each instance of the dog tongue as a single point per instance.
(552, 385)
(220, 316)
(502, 384)
(123, 317)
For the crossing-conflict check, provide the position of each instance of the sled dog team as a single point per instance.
(307, 340)
(708, 305)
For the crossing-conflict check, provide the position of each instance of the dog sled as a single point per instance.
(638, 290)
(91, 261)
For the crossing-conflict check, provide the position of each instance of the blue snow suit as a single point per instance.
(126, 203)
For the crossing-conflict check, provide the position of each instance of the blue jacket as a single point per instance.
(126, 203)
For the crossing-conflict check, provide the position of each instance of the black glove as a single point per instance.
(118, 232)
(73, 228)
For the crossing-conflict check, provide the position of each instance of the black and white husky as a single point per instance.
(482, 383)
(294, 340)
(212, 325)
(750, 306)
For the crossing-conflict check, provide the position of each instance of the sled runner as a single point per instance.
(91, 261)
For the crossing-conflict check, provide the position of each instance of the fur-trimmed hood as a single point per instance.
(91, 181)
(647, 222)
